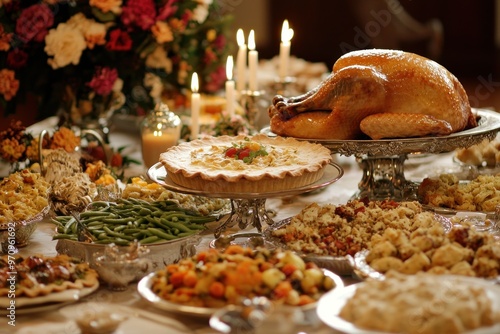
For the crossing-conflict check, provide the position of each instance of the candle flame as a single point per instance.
(194, 83)
(229, 67)
(240, 37)
(286, 32)
(251, 40)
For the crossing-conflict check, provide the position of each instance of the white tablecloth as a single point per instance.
(150, 320)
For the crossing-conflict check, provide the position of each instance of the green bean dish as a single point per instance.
(131, 219)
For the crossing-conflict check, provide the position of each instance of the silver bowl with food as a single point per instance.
(16, 234)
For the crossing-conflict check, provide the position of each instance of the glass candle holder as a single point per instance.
(160, 130)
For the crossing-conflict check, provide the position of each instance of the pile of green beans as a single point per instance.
(127, 220)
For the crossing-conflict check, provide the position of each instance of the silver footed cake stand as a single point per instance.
(382, 161)
(247, 209)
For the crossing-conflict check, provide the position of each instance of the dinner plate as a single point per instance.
(144, 289)
(330, 305)
(333, 172)
(52, 301)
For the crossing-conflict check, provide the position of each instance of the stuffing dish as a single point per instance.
(340, 230)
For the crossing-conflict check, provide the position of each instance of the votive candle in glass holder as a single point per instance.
(160, 130)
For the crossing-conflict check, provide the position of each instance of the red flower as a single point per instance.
(33, 23)
(103, 80)
(17, 58)
(220, 42)
(187, 16)
(216, 79)
(119, 41)
(209, 56)
(168, 10)
(140, 13)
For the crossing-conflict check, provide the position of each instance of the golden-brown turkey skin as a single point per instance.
(381, 84)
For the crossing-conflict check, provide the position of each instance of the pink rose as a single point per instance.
(34, 22)
(168, 10)
(103, 80)
(140, 13)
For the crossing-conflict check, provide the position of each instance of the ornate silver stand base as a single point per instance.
(245, 213)
(383, 177)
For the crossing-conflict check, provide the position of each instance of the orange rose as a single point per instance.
(4, 39)
(162, 32)
(107, 5)
(8, 84)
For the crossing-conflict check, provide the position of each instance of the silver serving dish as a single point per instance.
(487, 128)
(19, 231)
(160, 254)
(362, 269)
(385, 158)
(340, 265)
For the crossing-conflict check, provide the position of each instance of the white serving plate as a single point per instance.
(144, 289)
(52, 301)
(330, 305)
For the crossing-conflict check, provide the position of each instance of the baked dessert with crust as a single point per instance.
(230, 164)
(40, 275)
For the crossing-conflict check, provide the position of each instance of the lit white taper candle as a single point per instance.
(229, 86)
(195, 107)
(253, 62)
(241, 61)
(286, 37)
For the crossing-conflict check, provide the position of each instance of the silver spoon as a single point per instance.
(223, 241)
(83, 233)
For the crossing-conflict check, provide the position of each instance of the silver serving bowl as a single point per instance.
(160, 253)
(14, 235)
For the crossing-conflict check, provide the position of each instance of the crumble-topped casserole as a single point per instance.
(245, 163)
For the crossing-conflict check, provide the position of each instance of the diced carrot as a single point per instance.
(305, 299)
(190, 279)
(171, 268)
(282, 289)
(201, 256)
(177, 278)
(288, 269)
(265, 265)
(234, 249)
(217, 289)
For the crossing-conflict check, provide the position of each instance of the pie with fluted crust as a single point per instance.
(40, 275)
(257, 163)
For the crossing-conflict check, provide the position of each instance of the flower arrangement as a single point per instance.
(20, 148)
(98, 52)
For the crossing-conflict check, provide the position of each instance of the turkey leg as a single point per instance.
(337, 105)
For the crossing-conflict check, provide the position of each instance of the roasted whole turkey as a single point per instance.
(377, 94)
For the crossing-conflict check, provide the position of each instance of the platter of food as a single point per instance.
(442, 298)
(462, 251)
(166, 229)
(328, 235)
(453, 194)
(487, 128)
(43, 283)
(232, 276)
